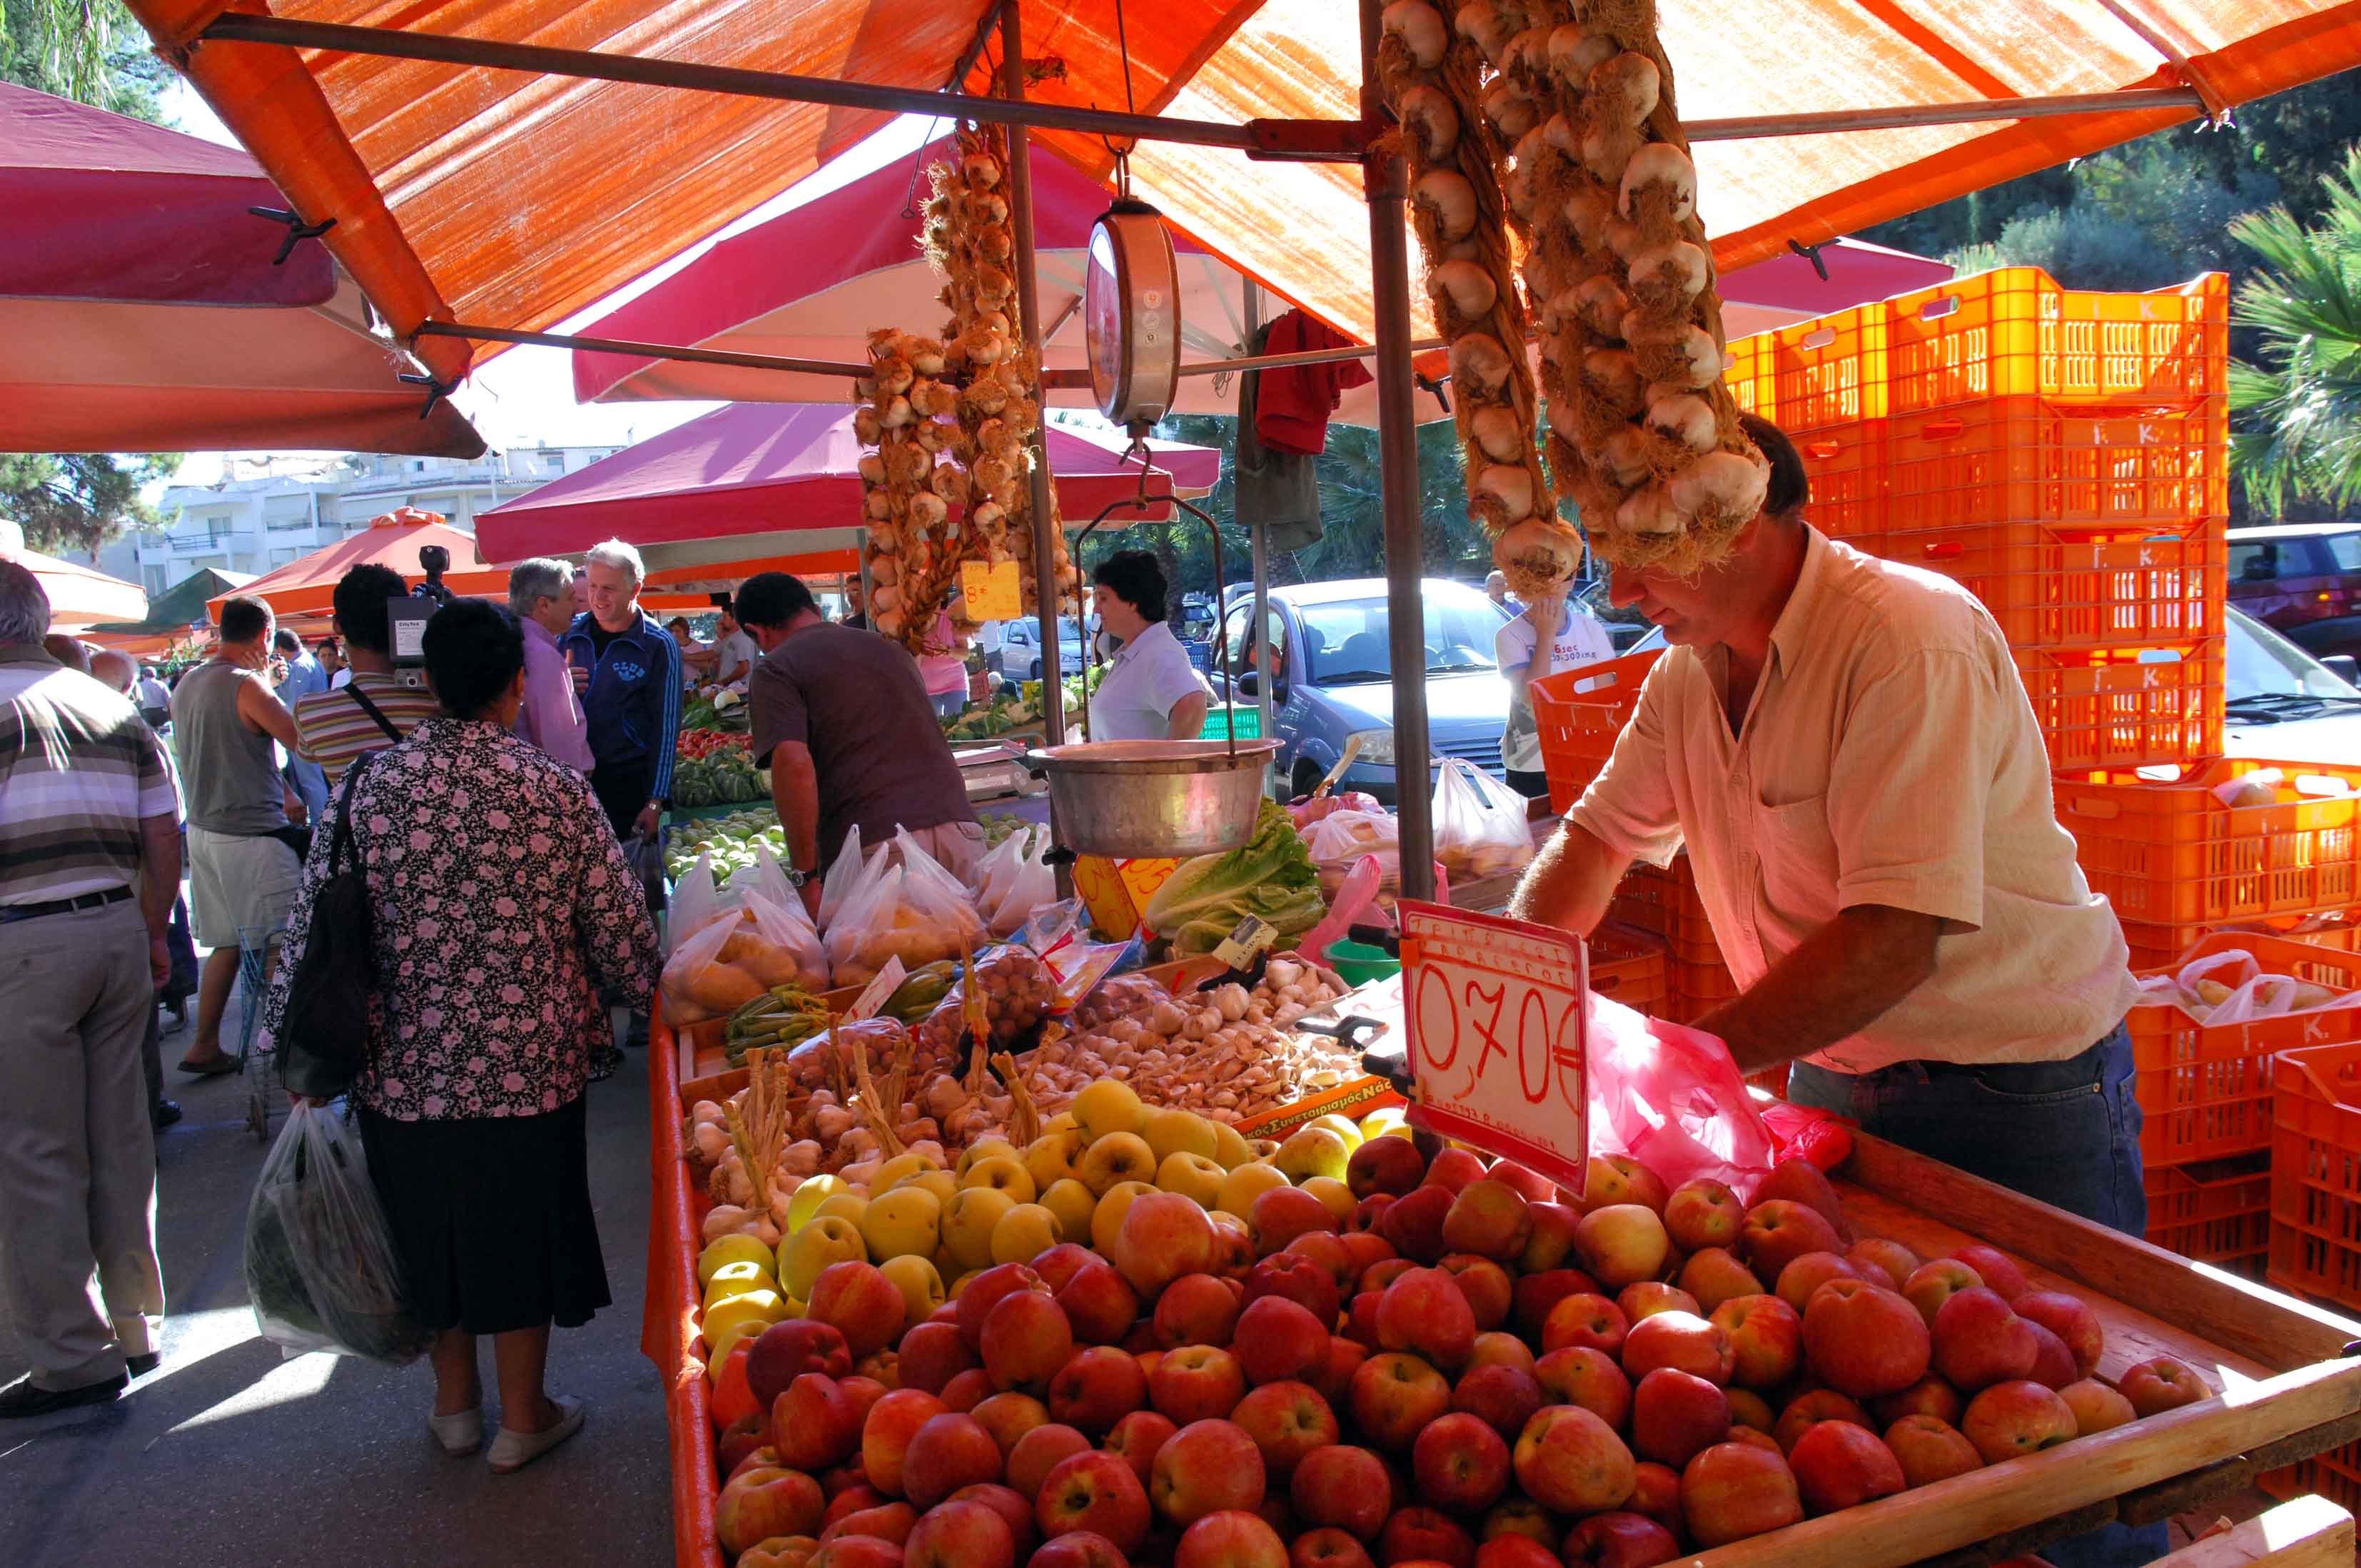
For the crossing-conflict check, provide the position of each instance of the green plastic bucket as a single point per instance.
(1359, 963)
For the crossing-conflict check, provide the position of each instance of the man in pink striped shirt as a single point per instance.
(540, 595)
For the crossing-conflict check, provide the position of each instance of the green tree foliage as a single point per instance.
(78, 502)
(90, 50)
(2300, 398)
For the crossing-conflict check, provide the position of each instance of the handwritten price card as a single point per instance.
(1495, 1027)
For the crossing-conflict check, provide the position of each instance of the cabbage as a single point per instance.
(1270, 876)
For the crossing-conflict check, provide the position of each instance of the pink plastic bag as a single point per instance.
(1672, 1097)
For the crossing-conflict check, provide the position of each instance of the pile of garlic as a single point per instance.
(1430, 66)
(908, 497)
(1643, 437)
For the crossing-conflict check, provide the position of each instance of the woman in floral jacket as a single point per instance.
(505, 921)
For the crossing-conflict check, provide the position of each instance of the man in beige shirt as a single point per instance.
(1847, 751)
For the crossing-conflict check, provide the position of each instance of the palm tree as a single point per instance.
(2300, 430)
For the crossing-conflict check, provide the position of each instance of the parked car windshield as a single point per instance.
(1345, 640)
(2266, 667)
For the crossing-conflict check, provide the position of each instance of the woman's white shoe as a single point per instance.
(461, 1433)
(515, 1449)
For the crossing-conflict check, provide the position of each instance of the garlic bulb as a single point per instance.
(1686, 418)
(1467, 285)
(1512, 109)
(1722, 486)
(1428, 111)
(1501, 434)
(1537, 554)
(1447, 195)
(1626, 87)
(1601, 303)
(1512, 486)
(1666, 167)
(1481, 23)
(1575, 53)
(1480, 366)
(1624, 456)
(1420, 27)
(1649, 511)
(1675, 273)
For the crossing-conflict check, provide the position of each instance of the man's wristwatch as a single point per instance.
(795, 879)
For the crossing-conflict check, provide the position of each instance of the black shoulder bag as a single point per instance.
(323, 1035)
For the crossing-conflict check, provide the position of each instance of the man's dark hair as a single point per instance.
(677, 623)
(360, 600)
(772, 599)
(242, 618)
(287, 642)
(473, 650)
(1791, 488)
(1136, 580)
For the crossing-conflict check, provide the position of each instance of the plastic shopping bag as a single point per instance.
(699, 983)
(1479, 823)
(845, 874)
(320, 1265)
(696, 903)
(1028, 888)
(1672, 1098)
(776, 944)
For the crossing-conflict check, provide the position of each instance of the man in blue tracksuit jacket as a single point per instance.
(627, 669)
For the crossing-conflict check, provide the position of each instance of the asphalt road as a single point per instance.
(228, 1454)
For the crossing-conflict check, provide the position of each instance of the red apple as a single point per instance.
(1362, 1250)
(1550, 1246)
(745, 1436)
(932, 1355)
(1008, 1416)
(1196, 1383)
(1979, 1341)
(1864, 1340)
(1490, 1219)
(2017, 1417)
(1231, 1538)
(1329, 1547)
(861, 1303)
(886, 1522)
(1015, 1511)
(2053, 1364)
(786, 1351)
(1380, 1274)
(1515, 1551)
(1502, 1396)
(961, 1535)
(1520, 1516)
(950, 1451)
(815, 1424)
(733, 1397)
(1754, 1435)
(1453, 1168)
(1276, 1338)
(984, 1291)
(1714, 1276)
(1703, 1214)
(2071, 1321)
(1531, 1296)
(1098, 1387)
(1840, 1465)
(1424, 1311)
(1279, 1214)
(1623, 1244)
(1534, 1187)
(1079, 1549)
(1618, 1179)
(2096, 1407)
(1369, 1216)
(1137, 1438)
(1303, 1278)
(1584, 1319)
(1093, 1492)
(1800, 1181)
(1038, 1452)
(1656, 1494)
(1621, 1540)
(1583, 1376)
(1459, 1463)
(1425, 1536)
(1484, 1284)
(1998, 1271)
(969, 1390)
(1205, 1467)
(1327, 1248)
(1413, 1223)
(886, 1437)
(1334, 1377)
(1676, 1416)
(1930, 1396)
(859, 1498)
(1570, 1460)
(1779, 1232)
(1163, 1236)
(1932, 1283)
(1499, 1347)
(2161, 1384)
(1393, 1397)
(1929, 1450)
(1800, 1278)
(1650, 1297)
(1099, 1304)
(1749, 1408)
(1196, 1309)
(1342, 1487)
(1682, 1341)
(1766, 1340)
(1390, 1165)
(1806, 1410)
(763, 1503)
(1287, 1420)
(1875, 1256)
(1734, 1490)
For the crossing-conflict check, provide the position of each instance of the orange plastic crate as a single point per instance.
(1693, 990)
(2026, 457)
(1827, 372)
(2170, 853)
(1578, 714)
(1663, 903)
(1628, 966)
(2217, 1211)
(2119, 709)
(2017, 332)
(2159, 947)
(2335, 1475)
(1847, 465)
(2064, 585)
(2316, 1172)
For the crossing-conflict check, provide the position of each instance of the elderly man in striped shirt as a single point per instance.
(90, 858)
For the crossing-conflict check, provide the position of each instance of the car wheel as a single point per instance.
(1308, 774)
(1036, 669)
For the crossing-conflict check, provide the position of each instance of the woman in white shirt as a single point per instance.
(1551, 635)
(1151, 691)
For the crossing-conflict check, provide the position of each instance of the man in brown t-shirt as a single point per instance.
(841, 719)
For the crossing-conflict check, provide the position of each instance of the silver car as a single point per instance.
(1327, 647)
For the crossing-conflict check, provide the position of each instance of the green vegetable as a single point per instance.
(1270, 875)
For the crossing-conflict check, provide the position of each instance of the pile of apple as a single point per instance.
(1400, 1357)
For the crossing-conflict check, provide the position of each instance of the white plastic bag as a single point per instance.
(997, 869)
(698, 983)
(1032, 885)
(765, 878)
(1342, 834)
(844, 874)
(696, 900)
(781, 948)
(320, 1262)
(916, 911)
(1479, 823)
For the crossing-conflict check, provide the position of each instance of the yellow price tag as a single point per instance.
(992, 590)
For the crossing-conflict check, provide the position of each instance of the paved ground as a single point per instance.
(228, 1455)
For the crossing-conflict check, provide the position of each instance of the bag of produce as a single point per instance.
(1028, 888)
(1672, 1098)
(1018, 990)
(699, 983)
(1270, 876)
(998, 870)
(844, 877)
(1479, 823)
(696, 903)
(775, 943)
(905, 912)
(1118, 996)
(320, 1265)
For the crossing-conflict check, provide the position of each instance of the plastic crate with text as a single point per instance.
(2010, 458)
(2017, 332)
(2053, 585)
(2316, 1173)
(1578, 713)
(2206, 1089)
(2170, 853)
(2217, 1211)
(1628, 966)
(2156, 946)
(2103, 708)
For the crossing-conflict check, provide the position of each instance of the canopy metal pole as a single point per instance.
(1398, 469)
(846, 369)
(1259, 636)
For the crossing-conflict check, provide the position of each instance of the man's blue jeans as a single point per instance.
(2066, 1132)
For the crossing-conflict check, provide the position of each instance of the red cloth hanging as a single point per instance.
(1292, 403)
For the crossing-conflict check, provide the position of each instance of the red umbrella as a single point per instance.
(393, 540)
(141, 308)
(759, 478)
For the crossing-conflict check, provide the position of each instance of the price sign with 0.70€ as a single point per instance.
(1497, 1028)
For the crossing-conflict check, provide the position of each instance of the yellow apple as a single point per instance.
(1386, 1121)
(1050, 1158)
(1333, 1192)
(810, 1194)
(828, 1238)
(1313, 1151)
(842, 1206)
(1106, 1220)
(730, 1249)
(919, 1282)
(1108, 1106)
(1117, 1157)
(1243, 1185)
(891, 1174)
(941, 1183)
(906, 1220)
(757, 1308)
(1072, 1204)
(1171, 1131)
(984, 1149)
(1192, 1176)
(968, 1221)
(737, 1278)
(1003, 1173)
(1229, 1148)
(1025, 1232)
(1344, 1127)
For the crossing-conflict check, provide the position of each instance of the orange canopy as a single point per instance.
(515, 200)
(303, 587)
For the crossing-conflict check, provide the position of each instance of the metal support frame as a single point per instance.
(1398, 469)
(1259, 532)
(642, 350)
(1028, 326)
